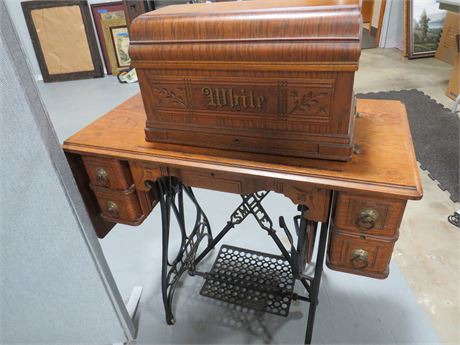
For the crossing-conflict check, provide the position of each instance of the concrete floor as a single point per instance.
(428, 248)
(386, 69)
(353, 309)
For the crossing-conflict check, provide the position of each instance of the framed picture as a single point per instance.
(97, 10)
(116, 39)
(134, 8)
(424, 25)
(120, 39)
(63, 39)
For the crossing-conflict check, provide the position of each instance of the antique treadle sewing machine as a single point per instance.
(247, 98)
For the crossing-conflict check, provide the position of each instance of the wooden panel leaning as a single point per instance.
(263, 76)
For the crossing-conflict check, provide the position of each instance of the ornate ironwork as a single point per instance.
(172, 199)
(250, 203)
(300, 253)
(251, 279)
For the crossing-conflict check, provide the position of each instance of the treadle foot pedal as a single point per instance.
(251, 279)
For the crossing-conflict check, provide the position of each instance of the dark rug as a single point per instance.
(435, 131)
(367, 40)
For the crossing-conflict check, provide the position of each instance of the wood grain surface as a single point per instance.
(372, 189)
(385, 166)
(261, 76)
(270, 31)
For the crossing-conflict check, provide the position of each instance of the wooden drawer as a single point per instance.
(361, 255)
(119, 206)
(108, 173)
(368, 215)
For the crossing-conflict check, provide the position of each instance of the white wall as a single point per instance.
(17, 16)
(393, 25)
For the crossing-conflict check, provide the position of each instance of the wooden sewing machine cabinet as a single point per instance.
(360, 203)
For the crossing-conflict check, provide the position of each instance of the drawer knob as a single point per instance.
(102, 177)
(367, 218)
(112, 209)
(359, 258)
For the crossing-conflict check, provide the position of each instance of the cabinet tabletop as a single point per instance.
(385, 163)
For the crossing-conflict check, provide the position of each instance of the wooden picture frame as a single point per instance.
(134, 8)
(421, 38)
(63, 52)
(96, 11)
(114, 25)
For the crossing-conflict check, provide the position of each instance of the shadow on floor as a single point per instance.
(368, 41)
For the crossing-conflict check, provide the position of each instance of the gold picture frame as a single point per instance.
(423, 25)
(116, 40)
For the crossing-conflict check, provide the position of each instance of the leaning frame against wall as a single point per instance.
(421, 37)
(63, 38)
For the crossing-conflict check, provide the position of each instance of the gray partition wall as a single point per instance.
(55, 286)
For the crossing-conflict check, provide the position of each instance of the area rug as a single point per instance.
(435, 131)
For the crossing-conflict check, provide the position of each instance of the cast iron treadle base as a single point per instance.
(251, 279)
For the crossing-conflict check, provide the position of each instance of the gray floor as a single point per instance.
(352, 309)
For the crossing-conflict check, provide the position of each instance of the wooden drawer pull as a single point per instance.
(367, 218)
(102, 177)
(360, 258)
(112, 209)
